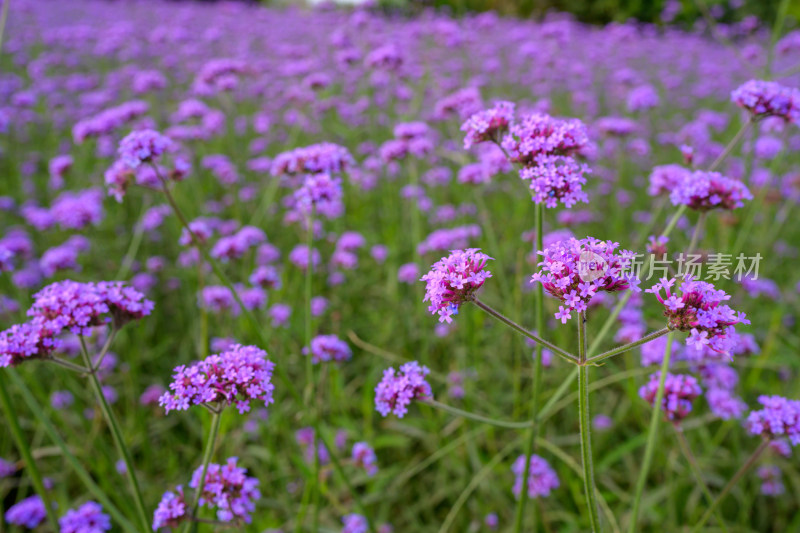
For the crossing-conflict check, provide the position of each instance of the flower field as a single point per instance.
(334, 269)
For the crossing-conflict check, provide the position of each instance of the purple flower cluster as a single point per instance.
(326, 348)
(542, 479)
(28, 513)
(88, 518)
(489, 124)
(320, 193)
(679, 392)
(574, 271)
(320, 158)
(780, 417)
(143, 146)
(697, 307)
(540, 134)
(363, 456)
(556, 178)
(239, 375)
(354, 523)
(171, 510)
(453, 280)
(228, 489)
(768, 99)
(771, 482)
(397, 389)
(704, 191)
(445, 239)
(665, 178)
(236, 245)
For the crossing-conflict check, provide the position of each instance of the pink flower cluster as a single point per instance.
(325, 348)
(703, 191)
(488, 125)
(397, 389)
(780, 417)
(542, 479)
(315, 159)
(453, 280)
(768, 98)
(679, 392)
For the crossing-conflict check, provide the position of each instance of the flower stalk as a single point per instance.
(585, 426)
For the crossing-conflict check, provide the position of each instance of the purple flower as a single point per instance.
(321, 194)
(299, 256)
(724, 404)
(453, 280)
(325, 348)
(665, 178)
(780, 417)
(171, 510)
(542, 479)
(698, 309)
(704, 191)
(768, 98)
(354, 523)
(408, 273)
(556, 178)
(679, 392)
(364, 457)
(228, 489)
(540, 134)
(320, 158)
(28, 513)
(488, 125)
(574, 271)
(446, 239)
(61, 399)
(397, 389)
(239, 375)
(143, 146)
(88, 518)
(7, 468)
(771, 482)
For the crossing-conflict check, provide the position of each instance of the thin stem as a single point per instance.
(104, 350)
(133, 247)
(478, 418)
(211, 444)
(3, 20)
(652, 434)
(66, 364)
(731, 145)
(533, 432)
(116, 434)
(736, 477)
(624, 348)
(698, 476)
(586, 432)
(25, 452)
(507, 321)
(310, 385)
(698, 229)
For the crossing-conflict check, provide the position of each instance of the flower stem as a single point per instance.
(731, 145)
(25, 452)
(211, 444)
(736, 477)
(652, 435)
(625, 347)
(698, 229)
(586, 433)
(116, 434)
(533, 432)
(698, 476)
(308, 395)
(66, 364)
(507, 321)
(478, 418)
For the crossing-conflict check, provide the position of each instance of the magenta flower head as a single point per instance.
(239, 375)
(363, 456)
(143, 146)
(541, 134)
(489, 124)
(556, 178)
(665, 178)
(397, 389)
(453, 280)
(28, 513)
(228, 489)
(354, 523)
(679, 392)
(542, 479)
(780, 417)
(88, 518)
(768, 99)
(704, 191)
(574, 271)
(697, 307)
(315, 159)
(171, 510)
(320, 193)
(325, 348)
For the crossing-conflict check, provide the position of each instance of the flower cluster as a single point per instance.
(574, 271)
(325, 348)
(771, 482)
(453, 280)
(397, 389)
(28, 513)
(488, 125)
(142, 146)
(768, 98)
(542, 479)
(171, 510)
(320, 193)
(354, 523)
(445, 239)
(679, 392)
(320, 158)
(540, 134)
(363, 456)
(228, 489)
(780, 417)
(88, 518)
(697, 307)
(665, 178)
(704, 191)
(556, 178)
(239, 375)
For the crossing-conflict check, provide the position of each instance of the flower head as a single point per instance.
(489, 124)
(171, 510)
(556, 178)
(541, 134)
(28, 513)
(321, 194)
(228, 489)
(397, 389)
(363, 456)
(354, 523)
(704, 191)
(542, 479)
(768, 98)
(239, 375)
(780, 417)
(326, 348)
(143, 146)
(679, 392)
(315, 159)
(88, 518)
(453, 280)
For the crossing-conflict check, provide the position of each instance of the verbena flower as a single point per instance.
(171, 510)
(574, 271)
(7, 468)
(240, 375)
(28, 513)
(768, 98)
(318, 158)
(556, 178)
(363, 456)
(143, 146)
(453, 280)
(229, 490)
(771, 482)
(780, 417)
(320, 193)
(542, 479)
(397, 389)
(354, 523)
(664, 178)
(488, 125)
(704, 191)
(679, 392)
(724, 404)
(88, 518)
(325, 348)
(540, 134)
(697, 307)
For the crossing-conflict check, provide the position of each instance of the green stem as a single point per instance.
(624, 348)
(211, 444)
(116, 434)
(507, 321)
(66, 364)
(731, 145)
(652, 435)
(698, 229)
(479, 418)
(25, 452)
(585, 425)
(133, 247)
(310, 382)
(533, 432)
(3, 20)
(736, 477)
(698, 476)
